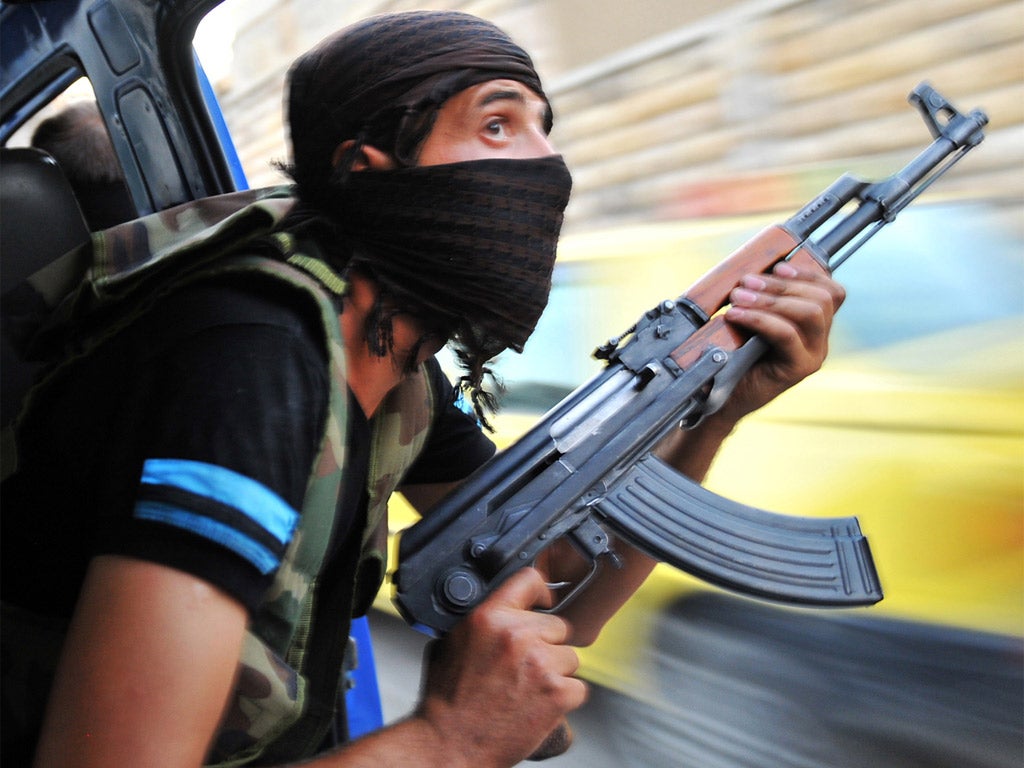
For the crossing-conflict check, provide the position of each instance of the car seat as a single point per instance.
(40, 220)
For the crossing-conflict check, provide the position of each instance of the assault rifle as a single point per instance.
(587, 466)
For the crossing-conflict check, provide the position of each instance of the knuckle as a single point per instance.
(576, 694)
(838, 295)
(815, 314)
(539, 664)
(559, 627)
(486, 619)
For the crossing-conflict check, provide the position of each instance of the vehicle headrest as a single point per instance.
(40, 219)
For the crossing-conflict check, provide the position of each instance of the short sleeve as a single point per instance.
(235, 395)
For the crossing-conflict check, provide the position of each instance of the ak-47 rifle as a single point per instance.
(588, 466)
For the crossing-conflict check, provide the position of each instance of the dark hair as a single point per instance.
(78, 140)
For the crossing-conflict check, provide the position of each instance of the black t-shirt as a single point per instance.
(216, 400)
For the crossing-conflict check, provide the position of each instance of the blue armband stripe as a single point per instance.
(261, 558)
(225, 486)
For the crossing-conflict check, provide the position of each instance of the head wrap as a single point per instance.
(467, 248)
(383, 78)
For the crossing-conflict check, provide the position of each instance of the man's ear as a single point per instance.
(368, 158)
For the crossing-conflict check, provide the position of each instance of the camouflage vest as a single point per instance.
(290, 669)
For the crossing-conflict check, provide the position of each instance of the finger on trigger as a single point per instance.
(525, 589)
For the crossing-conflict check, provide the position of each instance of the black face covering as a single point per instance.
(469, 245)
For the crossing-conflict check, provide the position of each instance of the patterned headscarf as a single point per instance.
(468, 248)
(381, 81)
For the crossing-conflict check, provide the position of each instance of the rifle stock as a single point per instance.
(587, 465)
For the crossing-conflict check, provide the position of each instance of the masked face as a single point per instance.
(505, 216)
(459, 229)
(467, 248)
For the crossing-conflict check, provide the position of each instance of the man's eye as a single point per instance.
(496, 128)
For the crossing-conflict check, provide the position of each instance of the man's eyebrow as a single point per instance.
(511, 94)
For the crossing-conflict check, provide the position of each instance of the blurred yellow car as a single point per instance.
(914, 425)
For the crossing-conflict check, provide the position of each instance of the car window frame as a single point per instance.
(159, 116)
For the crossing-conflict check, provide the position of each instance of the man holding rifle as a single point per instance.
(427, 203)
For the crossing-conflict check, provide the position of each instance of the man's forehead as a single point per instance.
(505, 85)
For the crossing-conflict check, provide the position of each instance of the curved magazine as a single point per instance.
(802, 560)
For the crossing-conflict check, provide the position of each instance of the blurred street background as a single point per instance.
(689, 126)
(668, 110)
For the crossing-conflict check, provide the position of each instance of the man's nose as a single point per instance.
(539, 144)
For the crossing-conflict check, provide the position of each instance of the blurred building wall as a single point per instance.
(668, 110)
